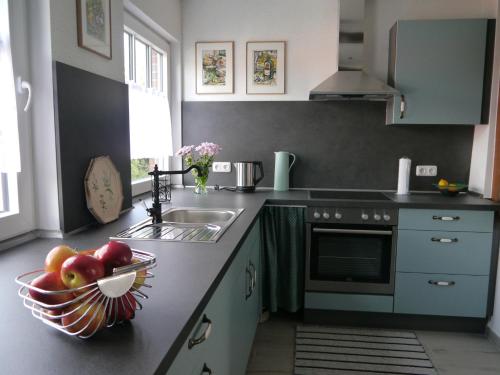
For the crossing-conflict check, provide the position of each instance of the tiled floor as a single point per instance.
(451, 352)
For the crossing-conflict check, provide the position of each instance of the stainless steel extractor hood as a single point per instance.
(351, 82)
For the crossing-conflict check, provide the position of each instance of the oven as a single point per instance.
(351, 250)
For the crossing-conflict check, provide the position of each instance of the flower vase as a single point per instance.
(201, 185)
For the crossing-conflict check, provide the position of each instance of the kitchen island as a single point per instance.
(185, 279)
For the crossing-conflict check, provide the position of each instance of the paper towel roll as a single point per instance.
(404, 176)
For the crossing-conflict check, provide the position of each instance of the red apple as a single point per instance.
(95, 316)
(53, 315)
(80, 270)
(56, 257)
(125, 310)
(87, 252)
(49, 281)
(114, 254)
(140, 277)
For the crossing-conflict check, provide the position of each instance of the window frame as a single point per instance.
(144, 185)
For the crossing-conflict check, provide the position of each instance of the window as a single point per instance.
(146, 72)
(16, 214)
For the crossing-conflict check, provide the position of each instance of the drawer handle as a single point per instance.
(254, 275)
(446, 218)
(441, 283)
(444, 240)
(193, 342)
(249, 288)
(206, 370)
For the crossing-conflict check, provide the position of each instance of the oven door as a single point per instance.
(353, 259)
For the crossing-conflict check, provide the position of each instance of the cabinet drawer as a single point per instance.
(465, 253)
(454, 295)
(446, 220)
(349, 302)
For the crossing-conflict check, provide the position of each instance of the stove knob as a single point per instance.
(317, 215)
(364, 216)
(326, 215)
(338, 215)
(387, 217)
(377, 217)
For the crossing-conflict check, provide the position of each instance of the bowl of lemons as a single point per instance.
(450, 189)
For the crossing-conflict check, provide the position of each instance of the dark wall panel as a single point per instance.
(338, 144)
(91, 120)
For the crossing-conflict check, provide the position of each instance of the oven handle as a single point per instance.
(353, 231)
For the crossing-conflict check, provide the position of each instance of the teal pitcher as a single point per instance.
(282, 168)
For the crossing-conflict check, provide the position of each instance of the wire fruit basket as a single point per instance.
(103, 303)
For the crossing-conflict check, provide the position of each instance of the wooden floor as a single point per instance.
(452, 353)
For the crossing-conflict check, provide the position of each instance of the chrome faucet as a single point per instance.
(155, 210)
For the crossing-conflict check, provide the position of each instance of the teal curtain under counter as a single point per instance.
(283, 231)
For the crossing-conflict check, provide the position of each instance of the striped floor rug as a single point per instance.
(350, 351)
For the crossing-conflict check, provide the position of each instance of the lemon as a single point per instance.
(442, 183)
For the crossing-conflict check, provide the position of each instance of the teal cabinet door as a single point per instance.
(441, 294)
(465, 253)
(349, 302)
(439, 67)
(233, 312)
(246, 311)
(446, 220)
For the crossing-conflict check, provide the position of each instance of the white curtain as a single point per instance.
(9, 133)
(150, 123)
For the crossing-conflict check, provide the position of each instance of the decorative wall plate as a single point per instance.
(103, 189)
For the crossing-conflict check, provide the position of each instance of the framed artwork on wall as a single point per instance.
(214, 67)
(94, 26)
(266, 67)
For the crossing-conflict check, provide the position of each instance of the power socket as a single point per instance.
(221, 167)
(427, 170)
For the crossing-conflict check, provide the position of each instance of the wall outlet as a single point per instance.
(427, 170)
(221, 166)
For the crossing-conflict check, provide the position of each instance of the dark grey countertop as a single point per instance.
(186, 276)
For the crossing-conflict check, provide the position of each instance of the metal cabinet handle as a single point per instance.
(195, 341)
(444, 240)
(446, 218)
(402, 107)
(441, 283)
(206, 370)
(254, 275)
(249, 289)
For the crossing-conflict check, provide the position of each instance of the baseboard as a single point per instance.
(49, 233)
(18, 240)
(492, 335)
(394, 321)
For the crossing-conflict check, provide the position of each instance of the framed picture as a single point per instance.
(266, 67)
(94, 26)
(214, 67)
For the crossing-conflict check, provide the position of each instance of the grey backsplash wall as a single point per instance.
(343, 145)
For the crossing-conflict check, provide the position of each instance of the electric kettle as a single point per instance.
(246, 175)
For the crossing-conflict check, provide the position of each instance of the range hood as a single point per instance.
(351, 82)
(352, 85)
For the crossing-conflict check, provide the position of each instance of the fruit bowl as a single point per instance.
(451, 190)
(103, 303)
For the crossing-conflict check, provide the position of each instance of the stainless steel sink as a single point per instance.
(184, 224)
(197, 216)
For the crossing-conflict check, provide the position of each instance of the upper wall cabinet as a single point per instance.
(441, 68)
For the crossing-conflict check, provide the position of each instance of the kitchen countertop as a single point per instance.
(185, 278)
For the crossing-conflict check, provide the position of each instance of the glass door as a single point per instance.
(17, 214)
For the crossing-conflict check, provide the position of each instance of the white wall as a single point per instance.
(485, 138)
(166, 13)
(311, 32)
(64, 40)
(42, 112)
